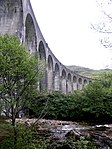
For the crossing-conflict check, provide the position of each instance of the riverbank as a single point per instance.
(62, 131)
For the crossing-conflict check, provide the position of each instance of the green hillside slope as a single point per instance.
(88, 72)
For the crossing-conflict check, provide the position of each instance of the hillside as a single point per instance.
(88, 72)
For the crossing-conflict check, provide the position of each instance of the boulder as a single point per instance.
(73, 134)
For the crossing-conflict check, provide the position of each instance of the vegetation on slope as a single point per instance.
(88, 72)
(94, 103)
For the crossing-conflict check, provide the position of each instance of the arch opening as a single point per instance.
(80, 84)
(69, 77)
(56, 68)
(69, 83)
(50, 63)
(57, 78)
(75, 85)
(50, 74)
(90, 81)
(74, 79)
(80, 80)
(42, 58)
(63, 74)
(85, 81)
(30, 34)
(42, 53)
(64, 82)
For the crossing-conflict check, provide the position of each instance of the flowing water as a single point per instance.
(61, 130)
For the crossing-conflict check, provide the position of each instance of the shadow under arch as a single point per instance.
(42, 64)
(50, 73)
(63, 82)
(63, 74)
(80, 85)
(85, 82)
(75, 85)
(30, 34)
(69, 76)
(42, 52)
(57, 78)
(69, 84)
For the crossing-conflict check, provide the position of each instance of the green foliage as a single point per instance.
(106, 80)
(57, 106)
(84, 143)
(27, 138)
(89, 72)
(18, 76)
(48, 103)
(93, 104)
(93, 98)
(97, 99)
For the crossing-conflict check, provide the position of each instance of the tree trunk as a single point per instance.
(14, 126)
(13, 116)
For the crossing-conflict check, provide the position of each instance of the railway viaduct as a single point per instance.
(17, 18)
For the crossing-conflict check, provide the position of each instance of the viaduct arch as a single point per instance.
(17, 18)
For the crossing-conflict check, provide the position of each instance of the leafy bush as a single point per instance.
(27, 138)
(94, 103)
(58, 106)
(97, 101)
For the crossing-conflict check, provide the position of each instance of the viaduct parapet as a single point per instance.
(17, 18)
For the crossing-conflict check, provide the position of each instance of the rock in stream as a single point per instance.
(61, 131)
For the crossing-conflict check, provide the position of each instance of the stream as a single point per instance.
(58, 130)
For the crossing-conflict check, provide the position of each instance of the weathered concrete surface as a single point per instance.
(17, 18)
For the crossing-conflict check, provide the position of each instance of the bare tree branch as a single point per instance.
(100, 30)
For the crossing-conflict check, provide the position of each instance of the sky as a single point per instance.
(66, 27)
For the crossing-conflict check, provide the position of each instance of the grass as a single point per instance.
(5, 130)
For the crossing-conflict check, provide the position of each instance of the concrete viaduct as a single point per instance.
(17, 18)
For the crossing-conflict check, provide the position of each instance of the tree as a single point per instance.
(19, 74)
(105, 25)
(97, 99)
(106, 80)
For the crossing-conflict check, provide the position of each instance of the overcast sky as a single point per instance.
(65, 25)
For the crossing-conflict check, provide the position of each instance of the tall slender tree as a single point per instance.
(19, 74)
